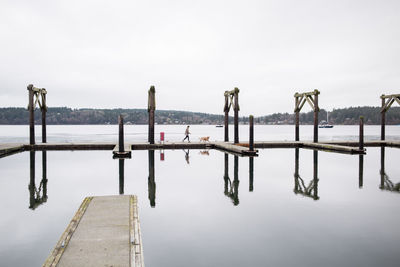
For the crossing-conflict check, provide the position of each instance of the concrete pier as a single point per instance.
(105, 231)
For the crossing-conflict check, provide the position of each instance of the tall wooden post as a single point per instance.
(151, 180)
(121, 147)
(361, 141)
(226, 121)
(31, 116)
(251, 174)
(151, 108)
(316, 110)
(121, 175)
(44, 109)
(383, 119)
(297, 120)
(251, 133)
(236, 119)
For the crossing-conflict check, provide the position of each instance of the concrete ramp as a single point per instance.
(105, 231)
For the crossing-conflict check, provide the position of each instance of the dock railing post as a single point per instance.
(226, 121)
(31, 109)
(251, 133)
(121, 134)
(236, 118)
(383, 112)
(151, 108)
(361, 142)
(44, 110)
(316, 110)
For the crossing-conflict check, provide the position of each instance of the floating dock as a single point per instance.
(105, 231)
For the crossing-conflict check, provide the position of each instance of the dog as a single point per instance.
(205, 139)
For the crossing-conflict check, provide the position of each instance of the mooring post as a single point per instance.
(151, 108)
(151, 180)
(316, 110)
(226, 121)
(361, 142)
(31, 109)
(251, 174)
(236, 119)
(251, 133)
(43, 110)
(121, 175)
(121, 134)
(383, 112)
(297, 112)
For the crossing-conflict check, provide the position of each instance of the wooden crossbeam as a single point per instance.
(389, 102)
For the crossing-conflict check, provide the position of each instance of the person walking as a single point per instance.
(186, 134)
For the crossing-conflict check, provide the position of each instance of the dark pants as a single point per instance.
(187, 136)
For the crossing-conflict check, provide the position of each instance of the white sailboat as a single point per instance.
(325, 124)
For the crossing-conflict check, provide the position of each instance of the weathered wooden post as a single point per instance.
(297, 119)
(383, 112)
(151, 108)
(316, 110)
(31, 109)
(251, 174)
(151, 180)
(251, 133)
(361, 141)
(121, 147)
(121, 175)
(226, 121)
(43, 109)
(236, 118)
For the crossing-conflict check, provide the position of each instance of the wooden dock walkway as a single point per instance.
(350, 147)
(105, 231)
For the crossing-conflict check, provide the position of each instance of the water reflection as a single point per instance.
(121, 175)
(37, 196)
(386, 183)
(251, 174)
(311, 190)
(186, 155)
(360, 170)
(151, 183)
(231, 189)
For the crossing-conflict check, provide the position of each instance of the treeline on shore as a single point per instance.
(64, 115)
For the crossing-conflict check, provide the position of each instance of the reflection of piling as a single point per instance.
(236, 118)
(382, 172)
(32, 180)
(236, 181)
(296, 170)
(226, 174)
(121, 176)
(31, 116)
(360, 170)
(44, 179)
(315, 175)
(361, 142)
(151, 179)
(151, 108)
(251, 174)
(121, 134)
(251, 133)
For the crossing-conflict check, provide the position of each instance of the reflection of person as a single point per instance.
(187, 156)
(186, 134)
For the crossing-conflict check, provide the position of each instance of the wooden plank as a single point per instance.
(334, 148)
(104, 232)
(10, 148)
(235, 149)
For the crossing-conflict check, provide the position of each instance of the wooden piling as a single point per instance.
(251, 133)
(44, 110)
(383, 119)
(31, 109)
(361, 142)
(226, 128)
(316, 110)
(236, 118)
(121, 134)
(297, 115)
(151, 108)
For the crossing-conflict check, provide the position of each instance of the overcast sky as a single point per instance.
(106, 54)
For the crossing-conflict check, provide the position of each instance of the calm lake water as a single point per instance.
(286, 207)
